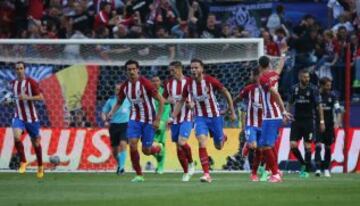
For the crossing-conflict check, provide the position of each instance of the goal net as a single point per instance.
(77, 76)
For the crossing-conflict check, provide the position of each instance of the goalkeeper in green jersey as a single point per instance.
(160, 134)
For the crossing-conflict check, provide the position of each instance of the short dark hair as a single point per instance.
(131, 61)
(20, 62)
(176, 64)
(196, 60)
(304, 71)
(264, 61)
(324, 80)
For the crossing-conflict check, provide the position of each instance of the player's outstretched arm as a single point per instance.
(230, 103)
(281, 64)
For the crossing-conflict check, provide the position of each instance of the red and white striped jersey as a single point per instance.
(25, 110)
(174, 89)
(203, 95)
(254, 106)
(268, 80)
(140, 95)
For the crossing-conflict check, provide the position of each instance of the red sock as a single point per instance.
(270, 160)
(275, 151)
(155, 149)
(20, 149)
(257, 159)
(38, 153)
(204, 159)
(187, 149)
(182, 159)
(135, 160)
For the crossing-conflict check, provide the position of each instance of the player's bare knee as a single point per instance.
(182, 141)
(202, 141)
(133, 145)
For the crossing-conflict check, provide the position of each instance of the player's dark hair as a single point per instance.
(264, 61)
(20, 62)
(195, 60)
(304, 71)
(324, 80)
(176, 64)
(131, 61)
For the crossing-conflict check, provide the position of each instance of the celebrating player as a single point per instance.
(207, 116)
(251, 93)
(117, 128)
(274, 113)
(143, 119)
(181, 124)
(160, 136)
(305, 98)
(26, 92)
(326, 136)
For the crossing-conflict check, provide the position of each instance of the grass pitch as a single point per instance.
(90, 189)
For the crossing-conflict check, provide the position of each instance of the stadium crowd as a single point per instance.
(319, 47)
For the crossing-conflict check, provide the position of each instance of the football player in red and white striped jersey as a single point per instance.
(201, 87)
(26, 90)
(143, 118)
(181, 124)
(251, 94)
(274, 113)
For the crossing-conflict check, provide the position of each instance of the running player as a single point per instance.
(143, 119)
(181, 124)
(201, 87)
(251, 94)
(274, 113)
(26, 92)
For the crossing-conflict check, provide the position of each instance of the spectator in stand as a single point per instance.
(212, 29)
(80, 21)
(343, 21)
(280, 38)
(104, 18)
(181, 30)
(226, 31)
(197, 17)
(35, 9)
(338, 70)
(328, 55)
(240, 32)
(276, 20)
(271, 48)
